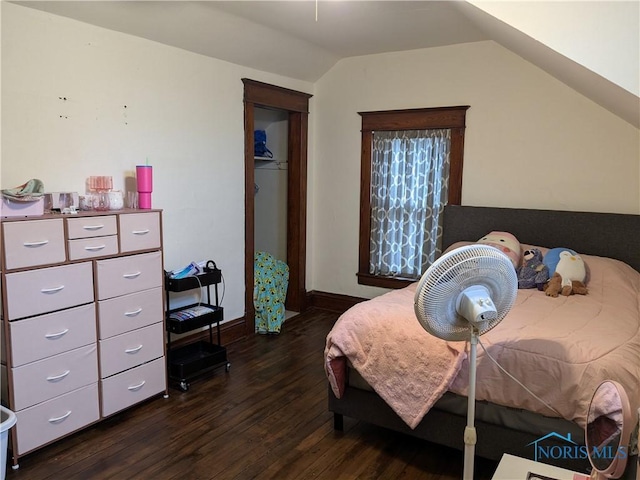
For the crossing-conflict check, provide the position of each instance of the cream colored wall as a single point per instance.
(604, 36)
(184, 112)
(530, 142)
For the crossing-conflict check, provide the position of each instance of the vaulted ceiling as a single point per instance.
(303, 39)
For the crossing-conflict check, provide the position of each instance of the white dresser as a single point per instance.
(83, 333)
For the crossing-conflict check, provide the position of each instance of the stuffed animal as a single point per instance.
(532, 273)
(552, 258)
(506, 243)
(569, 277)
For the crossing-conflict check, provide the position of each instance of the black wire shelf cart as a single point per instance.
(199, 357)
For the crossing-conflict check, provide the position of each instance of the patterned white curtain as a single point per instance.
(409, 188)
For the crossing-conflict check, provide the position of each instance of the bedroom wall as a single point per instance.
(601, 35)
(79, 100)
(531, 142)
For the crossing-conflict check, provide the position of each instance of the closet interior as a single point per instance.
(271, 178)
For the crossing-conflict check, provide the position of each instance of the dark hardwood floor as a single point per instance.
(266, 419)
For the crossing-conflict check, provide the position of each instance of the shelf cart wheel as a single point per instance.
(184, 386)
(227, 366)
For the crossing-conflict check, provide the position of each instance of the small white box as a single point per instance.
(11, 208)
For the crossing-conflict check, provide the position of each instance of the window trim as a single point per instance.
(393, 120)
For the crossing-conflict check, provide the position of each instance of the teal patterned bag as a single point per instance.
(269, 292)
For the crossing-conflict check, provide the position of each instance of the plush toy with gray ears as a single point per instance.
(532, 273)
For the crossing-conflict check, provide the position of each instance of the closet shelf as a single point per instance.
(271, 165)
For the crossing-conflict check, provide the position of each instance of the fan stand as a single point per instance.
(482, 284)
(470, 436)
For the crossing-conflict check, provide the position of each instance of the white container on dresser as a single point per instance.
(83, 333)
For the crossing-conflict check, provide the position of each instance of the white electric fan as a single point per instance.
(463, 294)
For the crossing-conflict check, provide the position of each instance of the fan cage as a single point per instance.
(440, 287)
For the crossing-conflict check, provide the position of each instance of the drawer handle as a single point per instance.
(133, 314)
(95, 248)
(141, 232)
(131, 275)
(52, 290)
(56, 335)
(55, 378)
(93, 227)
(59, 419)
(36, 244)
(134, 350)
(133, 388)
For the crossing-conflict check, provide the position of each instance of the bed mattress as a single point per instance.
(561, 348)
(513, 418)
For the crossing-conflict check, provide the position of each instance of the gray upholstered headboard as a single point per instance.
(603, 234)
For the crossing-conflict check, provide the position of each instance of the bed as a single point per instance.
(561, 348)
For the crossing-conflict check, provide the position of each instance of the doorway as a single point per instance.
(295, 108)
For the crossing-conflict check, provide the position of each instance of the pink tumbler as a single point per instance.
(144, 176)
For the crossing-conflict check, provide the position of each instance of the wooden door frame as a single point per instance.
(258, 94)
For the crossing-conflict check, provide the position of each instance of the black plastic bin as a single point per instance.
(195, 358)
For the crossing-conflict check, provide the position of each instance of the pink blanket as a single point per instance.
(406, 366)
(560, 348)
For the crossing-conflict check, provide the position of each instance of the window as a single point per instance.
(411, 167)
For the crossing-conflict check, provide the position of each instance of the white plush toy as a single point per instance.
(569, 277)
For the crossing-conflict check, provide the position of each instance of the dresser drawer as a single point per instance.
(48, 289)
(131, 349)
(123, 275)
(93, 247)
(133, 386)
(85, 227)
(33, 242)
(139, 231)
(129, 312)
(40, 337)
(47, 421)
(39, 381)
